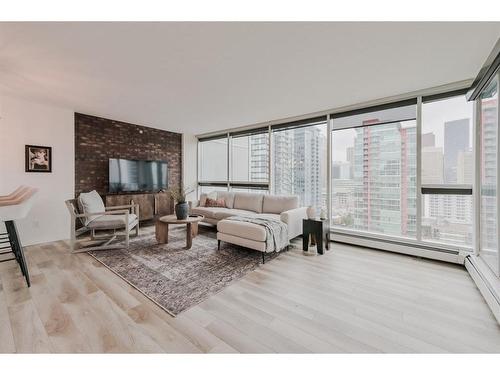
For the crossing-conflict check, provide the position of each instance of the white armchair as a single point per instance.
(90, 211)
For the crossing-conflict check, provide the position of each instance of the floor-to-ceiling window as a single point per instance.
(485, 266)
(249, 160)
(299, 161)
(235, 161)
(488, 223)
(447, 170)
(374, 171)
(375, 185)
(213, 160)
(402, 170)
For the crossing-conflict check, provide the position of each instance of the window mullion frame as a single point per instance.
(476, 187)
(447, 189)
(270, 168)
(419, 170)
(497, 78)
(329, 181)
(229, 160)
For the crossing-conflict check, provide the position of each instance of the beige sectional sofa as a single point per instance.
(282, 207)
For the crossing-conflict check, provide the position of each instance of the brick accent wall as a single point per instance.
(98, 139)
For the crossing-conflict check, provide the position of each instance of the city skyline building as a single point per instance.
(432, 165)
(381, 194)
(299, 161)
(384, 175)
(259, 157)
(341, 170)
(465, 167)
(489, 170)
(456, 140)
(428, 140)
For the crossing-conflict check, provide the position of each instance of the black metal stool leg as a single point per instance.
(17, 249)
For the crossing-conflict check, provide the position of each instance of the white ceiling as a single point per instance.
(201, 77)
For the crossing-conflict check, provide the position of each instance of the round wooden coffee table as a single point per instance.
(161, 228)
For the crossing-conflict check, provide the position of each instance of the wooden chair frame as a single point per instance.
(102, 242)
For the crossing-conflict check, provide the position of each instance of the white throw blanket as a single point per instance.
(276, 231)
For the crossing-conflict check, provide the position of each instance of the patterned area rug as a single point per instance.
(176, 278)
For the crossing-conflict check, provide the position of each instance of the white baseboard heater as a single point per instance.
(486, 281)
(419, 250)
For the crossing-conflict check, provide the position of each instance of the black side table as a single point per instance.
(317, 232)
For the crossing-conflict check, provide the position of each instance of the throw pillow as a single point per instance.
(204, 196)
(215, 202)
(91, 203)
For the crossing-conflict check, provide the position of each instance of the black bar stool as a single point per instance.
(15, 206)
(10, 244)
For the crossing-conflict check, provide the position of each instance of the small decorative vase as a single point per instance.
(182, 210)
(311, 212)
(322, 215)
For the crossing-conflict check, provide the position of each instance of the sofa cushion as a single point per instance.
(206, 211)
(219, 202)
(90, 203)
(228, 198)
(222, 214)
(248, 201)
(242, 229)
(276, 204)
(112, 221)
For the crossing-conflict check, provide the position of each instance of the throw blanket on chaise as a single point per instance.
(276, 231)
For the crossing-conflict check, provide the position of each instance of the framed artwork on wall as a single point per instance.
(38, 158)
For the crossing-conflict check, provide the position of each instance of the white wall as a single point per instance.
(189, 162)
(23, 122)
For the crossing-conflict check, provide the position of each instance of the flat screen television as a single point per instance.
(137, 175)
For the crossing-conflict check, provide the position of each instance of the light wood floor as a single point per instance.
(349, 300)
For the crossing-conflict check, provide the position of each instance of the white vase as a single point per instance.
(311, 212)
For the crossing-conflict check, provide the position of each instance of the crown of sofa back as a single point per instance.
(260, 203)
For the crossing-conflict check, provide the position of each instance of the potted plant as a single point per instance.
(181, 205)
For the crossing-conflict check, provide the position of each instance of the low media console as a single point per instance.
(151, 205)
